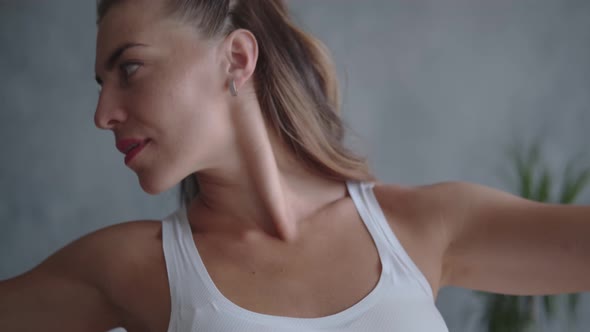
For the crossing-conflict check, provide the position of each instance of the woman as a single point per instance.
(281, 228)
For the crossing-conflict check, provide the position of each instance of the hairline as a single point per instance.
(168, 9)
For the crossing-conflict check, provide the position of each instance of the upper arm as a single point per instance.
(499, 242)
(63, 293)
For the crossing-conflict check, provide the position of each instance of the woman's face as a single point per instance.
(164, 85)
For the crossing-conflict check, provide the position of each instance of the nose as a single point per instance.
(108, 112)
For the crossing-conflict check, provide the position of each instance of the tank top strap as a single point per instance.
(187, 291)
(357, 191)
(393, 256)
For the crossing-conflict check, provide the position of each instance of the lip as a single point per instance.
(134, 152)
(124, 144)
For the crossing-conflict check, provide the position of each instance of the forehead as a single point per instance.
(130, 21)
(129, 17)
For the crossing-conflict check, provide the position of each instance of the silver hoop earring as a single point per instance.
(232, 87)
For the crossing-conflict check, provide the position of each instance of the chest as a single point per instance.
(335, 267)
(319, 277)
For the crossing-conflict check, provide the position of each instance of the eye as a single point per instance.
(129, 68)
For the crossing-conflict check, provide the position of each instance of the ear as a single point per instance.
(241, 53)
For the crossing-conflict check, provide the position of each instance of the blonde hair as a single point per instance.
(295, 82)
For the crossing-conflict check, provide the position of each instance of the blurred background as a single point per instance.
(435, 90)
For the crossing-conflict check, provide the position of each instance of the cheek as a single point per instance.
(194, 113)
(193, 87)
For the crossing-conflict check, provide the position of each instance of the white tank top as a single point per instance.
(401, 301)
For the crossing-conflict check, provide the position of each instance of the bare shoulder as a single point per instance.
(103, 256)
(135, 277)
(416, 216)
(116, 249)
(86, 285)
(126, 262)
(413, 198)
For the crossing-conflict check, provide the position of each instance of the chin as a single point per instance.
(152, 187)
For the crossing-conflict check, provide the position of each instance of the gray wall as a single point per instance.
(435, 89)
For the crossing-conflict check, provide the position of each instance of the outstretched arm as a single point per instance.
(63, 293)
(502, 243)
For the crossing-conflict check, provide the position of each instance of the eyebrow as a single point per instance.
(115, 55)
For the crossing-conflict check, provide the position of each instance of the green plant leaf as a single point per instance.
(573, 300)
(526, 163)
(549, 306)
(525, 174)
(505, 313)
(544, 188)
(573, 184)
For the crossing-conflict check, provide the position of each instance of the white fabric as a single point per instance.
(401, 301)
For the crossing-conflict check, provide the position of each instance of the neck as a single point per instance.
(259, 186)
